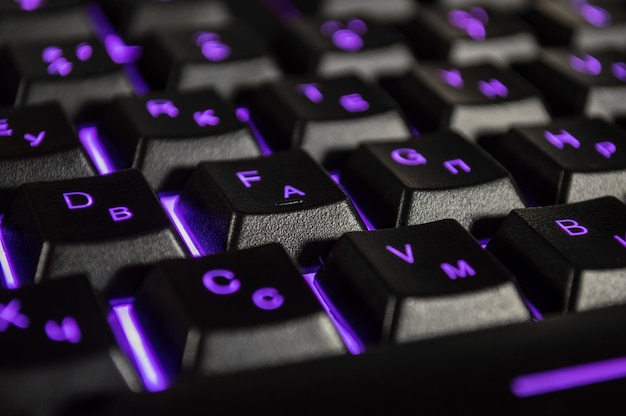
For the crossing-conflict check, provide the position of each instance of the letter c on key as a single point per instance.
(228, 284)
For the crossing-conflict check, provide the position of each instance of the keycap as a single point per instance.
(432, 177)
(502, 370)
(566, 160)
(229, 312)
(390, 10)
(471, 100)
(567, 257)
(226, 57)
(580, 83)
(581, 24)
(327, 117)
(108, 227)
(78, 73)
(334, 46)
(470, 35)
(286, 198)
(43, 20)
(507, 5)
(401, 284)
(166, 134)
(136, 18)
(38, 143)
(58, 347)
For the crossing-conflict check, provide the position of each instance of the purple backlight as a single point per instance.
(29, 5)
(587, 65)
(8, 274)
(84, 51)
(493, 89)
(212, 47)
(169, 204)
(594, 15)
(67, 331)
(619, 70)
(89, 138)
(354, 103)
(312, 92)
(10, 315)
(568, 377)
(149, 368)
(346, 37)
(472, 22)
(452, 77)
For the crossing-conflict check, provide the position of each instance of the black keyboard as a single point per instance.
(304, 207)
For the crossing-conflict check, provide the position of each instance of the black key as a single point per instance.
(225, 57)
(580, 83)
(566, 257)
(58, 347)
(43, 20)
(472, 35)
(507, 5)
(286, 198)
(234, 311)
(134, 19)
(567, 160)
(107, 227)
(572, 363)
(390, 10)
(78, 73)
(472, 100)
(165, 134)
(436, 176)
(417, 282)
(336, 46)
(38, 143)
(587, 25)
(324, 116)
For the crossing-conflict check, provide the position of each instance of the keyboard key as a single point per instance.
(336, 46)
(390, 10)
(225, 57)
(567, 160)
(286, 198)
(472, 35)
(234, 311)
(38, 143)
(507, 5)
(417, 282)
(327, 117)
(78, 73)
(586, 25)
(42, 20)
(135, 18)
(472, 100)
(581, 83)
(566, 257)
(58, 347)
(165, 134)
(435, 176)
(107, 227)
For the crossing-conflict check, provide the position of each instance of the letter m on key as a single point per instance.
(461, 270)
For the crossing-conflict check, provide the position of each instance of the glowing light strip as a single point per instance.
(10, 279)
(243, 114)
(366, 221)
(89, 138)
(568, 377)
(169, 204)
(151, 373)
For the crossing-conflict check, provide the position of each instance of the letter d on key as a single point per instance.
(77, 200)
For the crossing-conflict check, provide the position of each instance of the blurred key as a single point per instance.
(165, 134)
(286, 198)
(508, 5)
(567, 160)
(471, 100)
(402, 284)
(432, 177)
(336, 46)
(389, 10)
(324, 116)
(567, 257)
(38, 143)
(233, 311)
(225, 57)
(58, 348)
(580, 83)
(107, 227)
(589, 25)
(470, 35)
(77, 73)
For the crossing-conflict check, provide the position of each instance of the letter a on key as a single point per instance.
(407, 255)
(290, 190)
(77, 200)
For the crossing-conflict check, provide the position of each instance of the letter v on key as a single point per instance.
(407, 255)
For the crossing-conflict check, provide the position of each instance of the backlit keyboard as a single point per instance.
(311, 207)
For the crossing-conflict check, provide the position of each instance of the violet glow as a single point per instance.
(8, 274)
(243, 114)
(89, 138)
(169, 204)
(149, 368)
(568, 377)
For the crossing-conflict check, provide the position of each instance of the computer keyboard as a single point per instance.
(308, 207)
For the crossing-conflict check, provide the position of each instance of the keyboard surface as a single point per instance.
(304, 207)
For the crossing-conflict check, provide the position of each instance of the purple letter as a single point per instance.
(68, 196)
(267, 298)
(452, 77)
(462, 269)
(408, 156)
(452, 165)
(9, 315)
(35, 140)
(606, 149)
(354, 103)
(120, 213)
(493, 88)
(68, 331)
(559, 140)
(290, 190)
(572, 227)
(158, 107)
(4, 128)
(406, 256)
(587, 65)
(248, 176)
(206, 118)
(228, 286)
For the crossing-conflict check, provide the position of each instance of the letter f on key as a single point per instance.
(248, 176)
